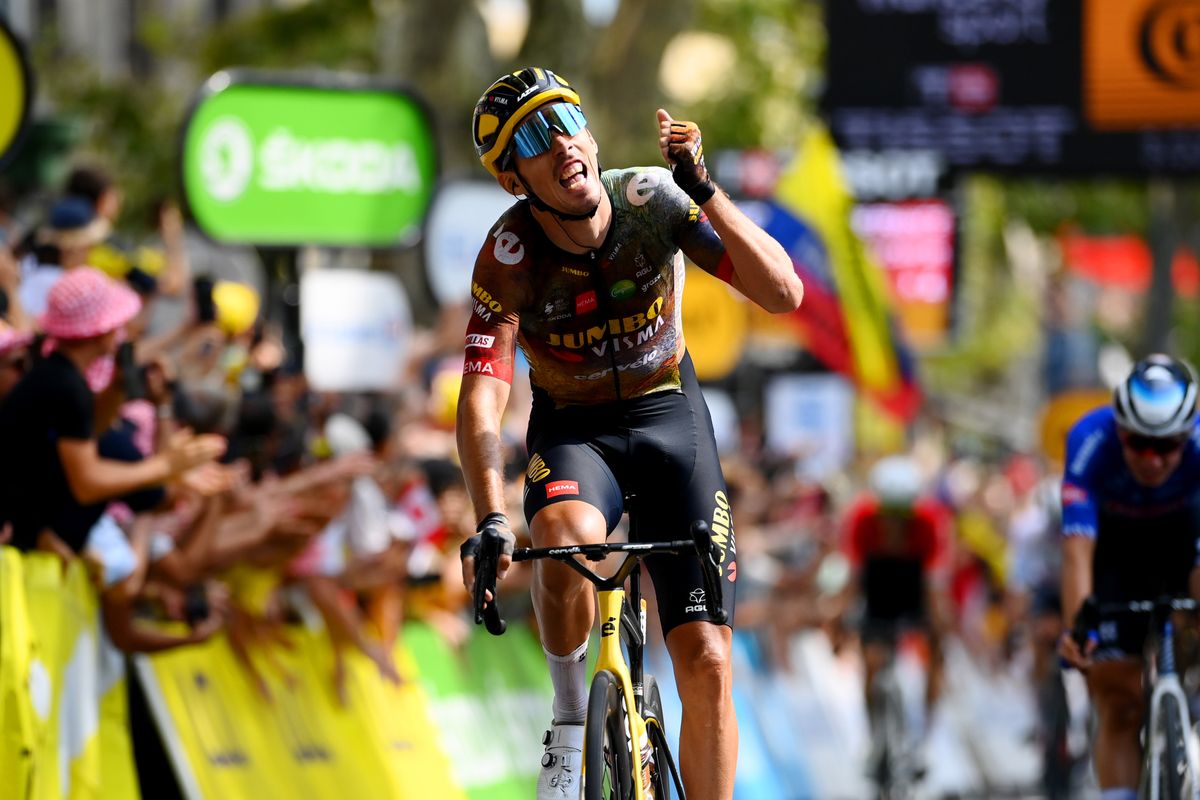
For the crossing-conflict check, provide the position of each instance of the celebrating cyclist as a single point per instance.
(1129, 499)
(897, 540)
(585, 275)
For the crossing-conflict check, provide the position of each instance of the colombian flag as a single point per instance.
(846, 317)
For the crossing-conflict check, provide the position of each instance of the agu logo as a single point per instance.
(1141, 63)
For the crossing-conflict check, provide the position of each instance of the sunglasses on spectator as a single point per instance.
(535, 135)
(1153, 444)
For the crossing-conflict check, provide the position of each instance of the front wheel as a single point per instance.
(606, 756)
(656, 729)
(1172, 765)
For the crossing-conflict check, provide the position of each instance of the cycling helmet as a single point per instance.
(1158, 399)
(895, 481)
(508, 101)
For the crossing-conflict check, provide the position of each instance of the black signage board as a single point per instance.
(996, 85)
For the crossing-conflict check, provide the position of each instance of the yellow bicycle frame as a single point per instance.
(612, 658)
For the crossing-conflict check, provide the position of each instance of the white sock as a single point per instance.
(569, 675)
(1118, 793)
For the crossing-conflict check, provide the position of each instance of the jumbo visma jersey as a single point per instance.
(600, 326)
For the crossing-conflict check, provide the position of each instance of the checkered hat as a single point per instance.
(85, 302)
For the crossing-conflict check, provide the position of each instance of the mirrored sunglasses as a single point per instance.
(534, 136)
(1152, 444)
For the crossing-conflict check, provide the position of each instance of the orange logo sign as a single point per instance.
(1141, 63)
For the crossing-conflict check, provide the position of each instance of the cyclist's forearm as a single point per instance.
(1076, 575)
(480, 447)
(762, 269)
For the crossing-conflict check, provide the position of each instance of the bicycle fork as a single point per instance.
(1168, 684)
(612, 659)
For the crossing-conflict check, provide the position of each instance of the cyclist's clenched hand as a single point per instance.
(469, 551)
(1075, 656)
(683, 149)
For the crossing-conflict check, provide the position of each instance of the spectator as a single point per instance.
(48, 420)
(71, 231)
(14, 358)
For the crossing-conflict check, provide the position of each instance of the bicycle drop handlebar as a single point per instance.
(1089, 614)
(701, 544)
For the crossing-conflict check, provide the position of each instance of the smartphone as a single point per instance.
(202, 292)
(195, 605)
(133, 380)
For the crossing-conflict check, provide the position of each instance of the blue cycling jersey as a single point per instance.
(1098, 484)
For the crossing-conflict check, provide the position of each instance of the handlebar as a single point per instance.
(701, 544)
(1087, 619)
(490, 547)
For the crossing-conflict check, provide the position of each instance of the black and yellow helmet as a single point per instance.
(508, 101)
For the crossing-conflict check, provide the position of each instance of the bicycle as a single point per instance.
(893, 769)
(611, 762)
(1170, 762)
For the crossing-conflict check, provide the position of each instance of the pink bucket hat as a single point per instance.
(85, 302)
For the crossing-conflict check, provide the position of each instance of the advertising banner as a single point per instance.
(811, 416)
(1035, 86)
(322, 160)
(715, 324)
(226, 739)
(356, 327)
(913, 242)
(16, 92)
(463, 212)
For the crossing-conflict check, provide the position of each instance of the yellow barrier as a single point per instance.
(63, 732)
(228, 741)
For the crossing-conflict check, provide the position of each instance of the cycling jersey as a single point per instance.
(600, 326)
(1146, 536)
(894, 573)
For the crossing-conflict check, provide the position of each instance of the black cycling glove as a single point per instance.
(686, 153)
(499, 524)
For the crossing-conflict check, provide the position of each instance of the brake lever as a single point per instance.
(488, 613)
(710, 567)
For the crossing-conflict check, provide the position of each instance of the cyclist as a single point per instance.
(1129, 499)
(585, 275)
(897, 539)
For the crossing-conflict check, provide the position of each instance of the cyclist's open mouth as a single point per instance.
(573, 175)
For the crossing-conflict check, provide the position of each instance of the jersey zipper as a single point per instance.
(602, 303)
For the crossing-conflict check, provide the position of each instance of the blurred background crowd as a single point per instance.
(222, 473)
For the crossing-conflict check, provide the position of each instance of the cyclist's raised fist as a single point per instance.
(683, 148)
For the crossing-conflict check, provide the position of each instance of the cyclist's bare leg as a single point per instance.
(564, 600)
(875, 655)
(1116, 690)
(933, 685)
(701, 653)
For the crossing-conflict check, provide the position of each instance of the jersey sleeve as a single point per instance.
(691, 230)
(854, 531)
(1079, 504)
(497, 286)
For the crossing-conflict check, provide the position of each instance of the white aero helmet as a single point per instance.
(1158, 399)
(895, 481)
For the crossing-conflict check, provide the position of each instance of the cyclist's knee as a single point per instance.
(701, 656)
(567, 523)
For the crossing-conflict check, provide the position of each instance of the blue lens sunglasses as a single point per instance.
(535, 134)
